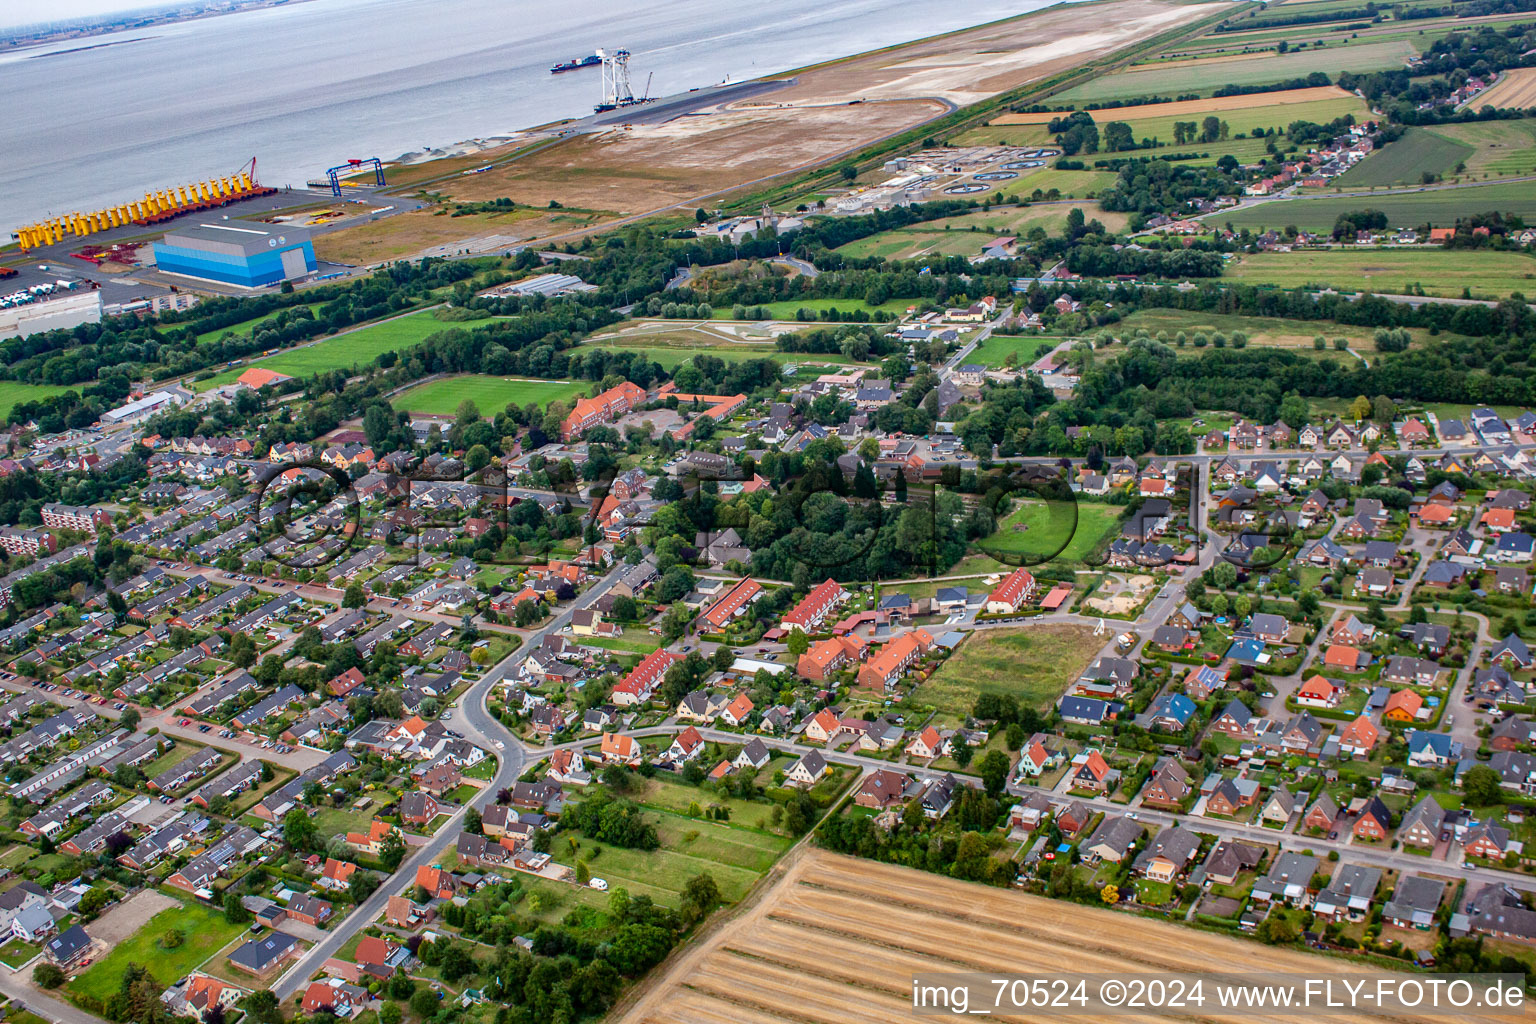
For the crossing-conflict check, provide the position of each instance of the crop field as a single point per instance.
(1499, 147)
(997, 348)
(1034, 663)
(837, 940)
(1516, 88)
(13, 393)
(1438, 272)
(968, 234)
(1203, 76)
(1246, 114)
(489, 394)
(1408, 160)
(1436, 206)
(1037, 529)
(355, 348)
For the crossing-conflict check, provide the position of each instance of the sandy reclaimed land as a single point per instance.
(966, 67)
(1515, 88)
(1182, 108)
(837, 940)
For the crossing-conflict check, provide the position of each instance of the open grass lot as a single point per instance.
(356, 348)
(1180, 77)
(672, 342)
(1498, 147)
(736, 857)
(488, 393)
(967, 234)
(1024, 348)
(1441, 273)
(1037, 529)
(203, 932)
(1072, 184)
(1408, 160)
(12, 393)
(1437, 206)
(665, 795)
(835, 932)
(1262, 331)
(1034, 663)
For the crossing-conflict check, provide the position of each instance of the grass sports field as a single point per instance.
(1437, 206)
(1033, 663)
(1182, 77)
(356, 348)
(489, 394)
(1439, 273)
(1408, 160)
(997, 348)
(12, 393)
(967, 234)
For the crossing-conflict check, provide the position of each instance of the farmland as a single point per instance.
(1498, 147)
(838, 940)
(1262, 331)
(1266, 110)
(1438, 272)
(1418, 156)
(488, 393)
(1515, 88)
(354, 348)
(1436, 206)
(1203, 76)
(1033, 663)
(967, 234)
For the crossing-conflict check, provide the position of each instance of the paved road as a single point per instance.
(473, 719)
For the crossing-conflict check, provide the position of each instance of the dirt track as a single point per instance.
(837, 941)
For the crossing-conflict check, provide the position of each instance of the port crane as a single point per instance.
(352, 166)
(617, 92)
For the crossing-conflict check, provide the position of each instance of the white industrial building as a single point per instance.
(62, 309)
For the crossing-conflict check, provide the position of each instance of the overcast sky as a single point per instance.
(29, 12)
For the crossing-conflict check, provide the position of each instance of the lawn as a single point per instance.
(1034, 664)
(330, 821)
(1042, 531)
(356, 348)
(203, 932)
(1183, 77)
(666, 795)
(1408, 160)
(490, 394)
(1438, 272)
(1438, 206)
(13, 393)
(734, 857)
(16, 952)
(1025, 349)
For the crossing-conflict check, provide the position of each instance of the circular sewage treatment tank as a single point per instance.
(965, 190)
(1018, 164)
(995, 176)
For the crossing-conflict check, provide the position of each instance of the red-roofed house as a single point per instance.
(640, 684)
(1318, 692)
(735, 601)
(1358, 738)
(883, 670)
(813, 608)
(620, 749)
(605, 408)
(1018, 587)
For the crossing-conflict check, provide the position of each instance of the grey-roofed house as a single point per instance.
(1349, 893)
(1112, 840)
(1414, 902)
(1168, 854)
(1287, 879)
(68, 946)
(264, 955)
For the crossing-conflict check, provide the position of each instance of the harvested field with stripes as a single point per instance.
(837, 940)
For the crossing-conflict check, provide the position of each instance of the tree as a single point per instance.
(262, 1006)
(392, 850)
(356, 596)
(390, 1013)
(129, 719)
(234, 910)
(299, 829)
(700, 895)
(1481, 786)
(993, 768)
(46, 975)
(361, 885)
(424, 1002)
(1110, 894)
(797, 643)
(1360, 408)
(472, 823)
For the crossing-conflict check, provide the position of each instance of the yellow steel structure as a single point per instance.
(153, 205)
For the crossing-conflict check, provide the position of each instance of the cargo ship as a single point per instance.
(576, 63)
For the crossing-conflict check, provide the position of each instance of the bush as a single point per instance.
(46, 975)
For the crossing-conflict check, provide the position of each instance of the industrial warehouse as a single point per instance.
(246, 254)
